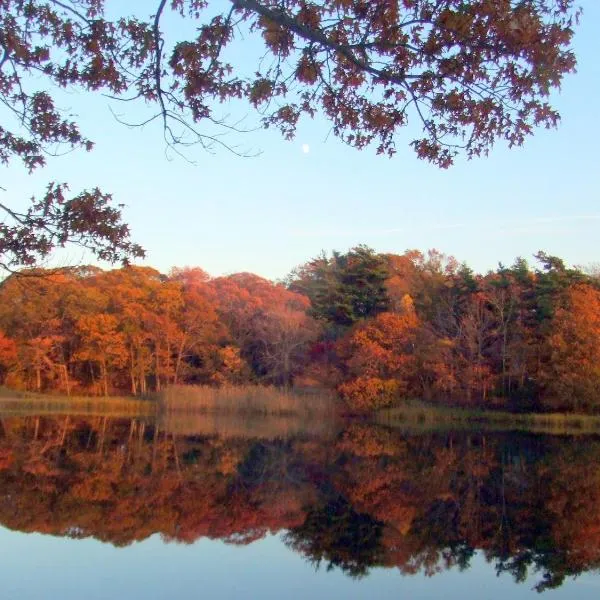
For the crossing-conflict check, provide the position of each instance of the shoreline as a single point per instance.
(418, 415)
(414, 415)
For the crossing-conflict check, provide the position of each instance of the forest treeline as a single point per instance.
(374, 327)
(357, 499)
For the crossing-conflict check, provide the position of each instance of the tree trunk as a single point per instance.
(104, 377)
(64, 431)
(132, 372)
(141, 373)
(38, 378)
(157, 368)
(65, 372)
(102, 436)
(178, 360)
(93, 376)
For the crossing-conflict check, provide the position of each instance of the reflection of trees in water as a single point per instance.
(338, 535)
(366, 497)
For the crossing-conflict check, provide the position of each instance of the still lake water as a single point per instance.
(100, 507)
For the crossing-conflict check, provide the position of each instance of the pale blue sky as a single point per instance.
(271, 213)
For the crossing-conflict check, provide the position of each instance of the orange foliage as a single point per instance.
(379, 359)
(8, 355)
(573, 372)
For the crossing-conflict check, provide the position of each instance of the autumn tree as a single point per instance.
(379, 359)
(502, 293)
(287, 331)
(92, 340)
(463, 74)
(449, 344)
(269, 323)
(88, 219)
(146, 305)
(31, 314)
(572, 374)
(202, 354)
(403, 277)
(8, 355)
(475, 343)
(101, 344)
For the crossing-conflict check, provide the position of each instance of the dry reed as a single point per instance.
(248, 399)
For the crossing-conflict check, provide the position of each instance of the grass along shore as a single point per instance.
(246, 399)
(418, 415)
(18, 402)
(243, 400)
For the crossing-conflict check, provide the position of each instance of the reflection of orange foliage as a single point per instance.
(6, 458)
(95, 489)
(41, 467)
(228, 462)
(367, 441)
(434, 496)
(574, 503)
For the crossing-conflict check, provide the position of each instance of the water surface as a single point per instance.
(129, 508)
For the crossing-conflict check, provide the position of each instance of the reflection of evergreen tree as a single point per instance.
(338, 535)
(550, 561)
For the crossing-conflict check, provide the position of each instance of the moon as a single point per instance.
(305, 148)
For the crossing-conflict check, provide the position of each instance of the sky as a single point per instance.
(270, 213)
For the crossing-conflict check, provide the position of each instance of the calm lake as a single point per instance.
(195, 506)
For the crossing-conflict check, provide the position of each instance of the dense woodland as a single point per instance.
(360, 498)
(375, 327)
